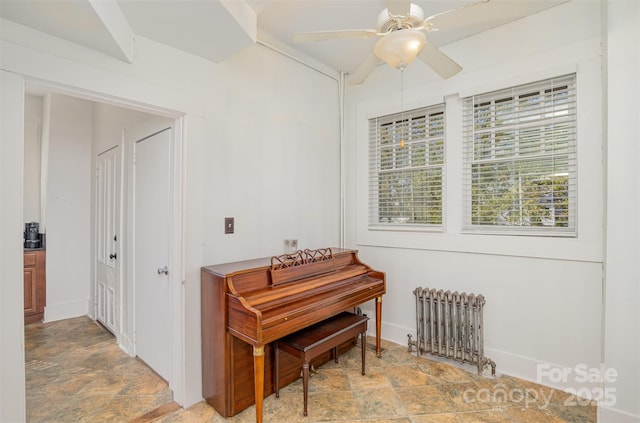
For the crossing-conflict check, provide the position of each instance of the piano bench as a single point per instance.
(317, 339)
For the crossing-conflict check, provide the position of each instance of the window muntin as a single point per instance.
(520, 159)
(406, 159)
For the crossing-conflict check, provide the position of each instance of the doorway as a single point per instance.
(107, 232)
(152, 170)
(112, 297)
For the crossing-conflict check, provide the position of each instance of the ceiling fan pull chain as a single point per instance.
(402, 107)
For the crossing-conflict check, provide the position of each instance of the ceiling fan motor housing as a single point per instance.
(388, 23)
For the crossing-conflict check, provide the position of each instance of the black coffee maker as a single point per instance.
(32, 235)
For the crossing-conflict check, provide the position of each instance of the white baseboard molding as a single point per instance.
(126, 345)
(611, 415)
(54, 312)
(392, 333)
(507, 363)
(548, 374)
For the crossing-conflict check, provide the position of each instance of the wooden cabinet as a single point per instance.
(35, 291)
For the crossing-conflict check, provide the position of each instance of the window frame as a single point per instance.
(432, 163)
(543, 115)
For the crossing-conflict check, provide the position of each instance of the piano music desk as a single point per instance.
(310, 342)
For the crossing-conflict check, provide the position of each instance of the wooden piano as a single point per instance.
(249, 304)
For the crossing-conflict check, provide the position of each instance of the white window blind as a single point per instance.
(520, 159)
(406, 162)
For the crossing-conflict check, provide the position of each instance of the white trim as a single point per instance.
(66, 310)
(176, 254)
(12, 393)
(611, 415)
(521, 79)
(508, 364)
(176, 261)
(96, 84)
(585, 248)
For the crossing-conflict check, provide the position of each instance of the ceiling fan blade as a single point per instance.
(303, 37)
(364, 70)
(479, 12)
(442, 64)
(399, 7)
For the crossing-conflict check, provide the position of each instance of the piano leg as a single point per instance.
(378, 325)
(258, 379)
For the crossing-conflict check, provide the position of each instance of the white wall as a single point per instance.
(543, 294)
(622, 270)
(12, 398)
(68, 208)
(273, 159)
(32, 151)
(270, 160)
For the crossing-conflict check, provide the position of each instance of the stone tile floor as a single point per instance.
(76, 373)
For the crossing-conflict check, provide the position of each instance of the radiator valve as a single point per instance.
(411, 344)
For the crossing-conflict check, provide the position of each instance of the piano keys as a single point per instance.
(249, 304)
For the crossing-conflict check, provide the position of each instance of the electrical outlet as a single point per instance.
(229, 225)
(290, 246)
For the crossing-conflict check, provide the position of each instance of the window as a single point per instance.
(406, 162)
(520, 159)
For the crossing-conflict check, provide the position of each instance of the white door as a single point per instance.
(152, 205)
(108, 240)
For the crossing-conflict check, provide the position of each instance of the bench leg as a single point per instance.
(305, 384)
(276, 376)
(335, 354)
(363, 342)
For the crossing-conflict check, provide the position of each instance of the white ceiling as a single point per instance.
(216, 29)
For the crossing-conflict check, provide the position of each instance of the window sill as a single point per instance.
(546, 247)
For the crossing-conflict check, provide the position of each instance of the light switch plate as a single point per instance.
(229, 225)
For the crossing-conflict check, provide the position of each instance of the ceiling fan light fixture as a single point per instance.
(399, 48)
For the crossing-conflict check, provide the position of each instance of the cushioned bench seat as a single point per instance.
(317, 339)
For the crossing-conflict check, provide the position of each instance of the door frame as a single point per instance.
(93, 309)
(176, 248)
(175, 258)
(176, 240)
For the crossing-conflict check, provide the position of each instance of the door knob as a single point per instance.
(163, 270)
(113, 256)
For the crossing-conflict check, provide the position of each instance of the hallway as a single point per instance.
(75, 372)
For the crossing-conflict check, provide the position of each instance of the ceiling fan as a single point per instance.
(401, 30)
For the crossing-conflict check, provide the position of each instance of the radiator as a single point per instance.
(450, 325)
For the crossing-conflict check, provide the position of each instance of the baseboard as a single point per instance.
(126, 345)
(611, 415)
(392, 333)
(507, 363)
(54, 312)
